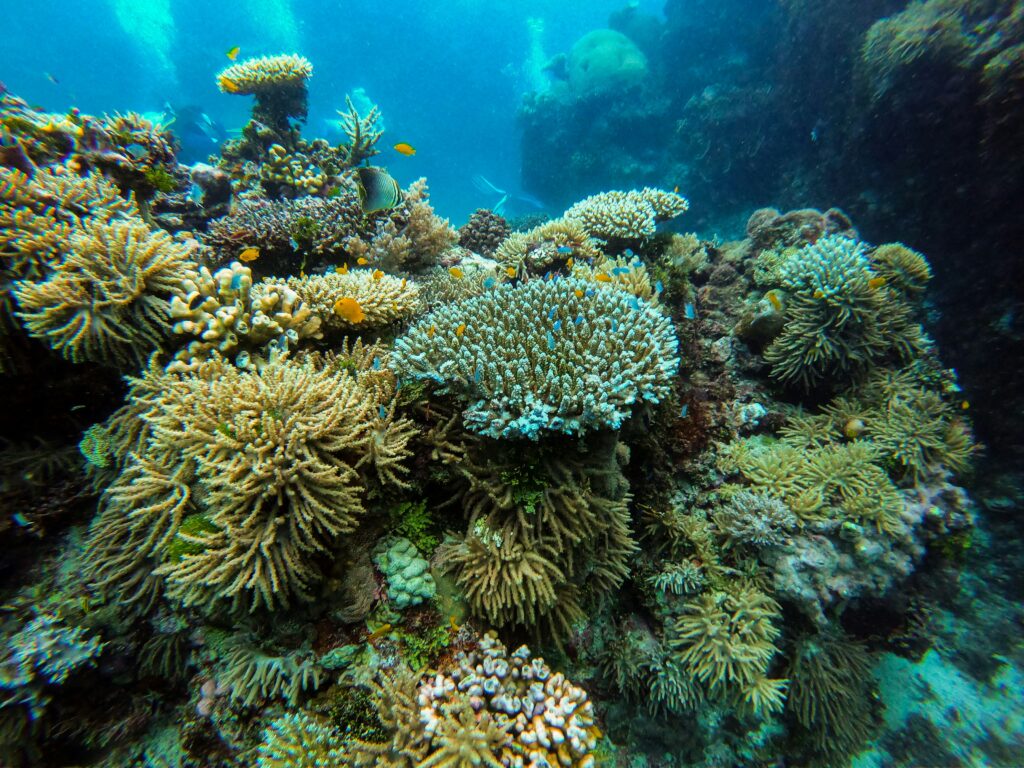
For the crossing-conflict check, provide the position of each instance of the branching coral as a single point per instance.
(382, 299)
(247, 477)
(300, 740)
(726, 640)
(545, 247)
(493, 709)
(107, 300)
(226, 316)
(831, 693)
(632, 215)
(410, 237)
(363, 132)
(624, 273)
(548, 355)
(840, 317)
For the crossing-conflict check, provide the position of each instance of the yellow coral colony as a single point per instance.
(254, 76)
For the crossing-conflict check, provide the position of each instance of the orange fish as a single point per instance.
(249, 254)
(233, 53)
(377, 274)
(819, 294)
(362, 262)
(405, 149)
(602, 277)
(774, 300)
(579, 293)
(349, 309)
(229, 86)
(876, 282)
(455, 272)
(430, 331)
(964, 405)
(460, 330)
(570, 262)
(343, 269)
(510, 271)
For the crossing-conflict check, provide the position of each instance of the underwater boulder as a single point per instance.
(603, 60)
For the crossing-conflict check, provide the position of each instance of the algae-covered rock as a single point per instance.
(406, 571)
(604, 60)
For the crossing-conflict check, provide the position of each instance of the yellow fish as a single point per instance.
(377, 274)
(510, 271)
(460, 330)
(380, 631)
(676, 189)
(405, 149)
(362, 262)
(964, 405)
(454, 624)
(602, 277)
(579, 293)
(570, 262)
(249, 254)
(404, 282)
(343, 269)
(229, 86)
(774, 300)
(430, 331)
(819, 294)
(455, 272)
(876, 282)
(233, 52)
(349, 309)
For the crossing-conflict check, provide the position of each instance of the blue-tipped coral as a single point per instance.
(554, 355)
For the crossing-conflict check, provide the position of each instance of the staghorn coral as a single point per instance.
(546, 246)
(484, 232)
(492, 708)
(839, 319)
(106, 301)
(544, 356)
(383, 299)
(363, 132)
(300, 740)
(726, 641)
(630, 216)
(624, 273)
(228, 317)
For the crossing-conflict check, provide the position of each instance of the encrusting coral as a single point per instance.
(107, 300)
(631, 216)
(545, 356)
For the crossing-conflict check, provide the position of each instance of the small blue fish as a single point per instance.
(489, 283)
(615, 325)
(195, 194)
(634, 302)
(478, 373)
(684, 410)
(551, 313)
(690, 311)
(551, 341)
(578, 320)
(620, 271)
(658, 287)
(293, 243)
(382, 411)
(20, 519)
(590, 292)
(558, 325)
(236, 281)
(564, 249)
(376, 363)
(628, 252)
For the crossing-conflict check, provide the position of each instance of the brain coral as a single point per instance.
(631, 215)
(265, 73)
(546, 355)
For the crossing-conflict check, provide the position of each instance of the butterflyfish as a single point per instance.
(455, 272)
(349, 309)
(249, 254)
(377, 190)
(232, 53)
(405, 149)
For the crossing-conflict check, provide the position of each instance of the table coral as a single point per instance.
(106, 301)
(553, 356)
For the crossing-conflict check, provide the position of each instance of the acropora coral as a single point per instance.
(632, 215)
(545, 356)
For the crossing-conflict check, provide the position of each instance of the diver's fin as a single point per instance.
(501, 203)
(486, 187)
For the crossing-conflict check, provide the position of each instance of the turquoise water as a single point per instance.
(530, 384)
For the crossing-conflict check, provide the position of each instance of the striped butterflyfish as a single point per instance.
(377, 190)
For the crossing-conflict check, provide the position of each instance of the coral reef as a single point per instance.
(484, 232)
(382, 300)
(277, 82)
(630, 216)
